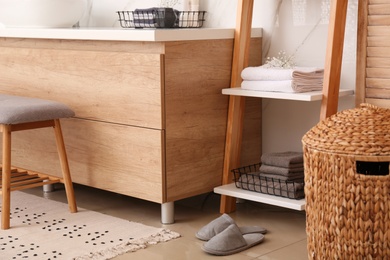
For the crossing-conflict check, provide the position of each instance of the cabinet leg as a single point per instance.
(168, 213)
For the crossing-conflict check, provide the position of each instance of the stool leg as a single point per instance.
(65, 167)
(6, 178)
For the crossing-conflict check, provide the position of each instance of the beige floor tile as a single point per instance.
(291, 252)
(286, 237)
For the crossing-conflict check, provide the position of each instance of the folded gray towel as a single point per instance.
(282, 159)
(280, 170)
(299, 176)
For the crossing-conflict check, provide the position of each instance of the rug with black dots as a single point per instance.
(45, 229)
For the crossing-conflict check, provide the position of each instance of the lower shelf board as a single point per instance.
(232, 191)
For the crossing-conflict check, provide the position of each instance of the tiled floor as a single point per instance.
(286, 239)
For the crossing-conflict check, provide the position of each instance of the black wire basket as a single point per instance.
(249, 178)
(161, 18)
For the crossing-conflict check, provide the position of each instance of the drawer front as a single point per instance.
(119, 87)
(123, 159)
(196, 115)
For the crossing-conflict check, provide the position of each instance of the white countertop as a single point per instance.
(121, 34)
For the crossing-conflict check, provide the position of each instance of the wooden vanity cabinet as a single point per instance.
(150, 117)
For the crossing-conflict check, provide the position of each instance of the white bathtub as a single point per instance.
(41, 13)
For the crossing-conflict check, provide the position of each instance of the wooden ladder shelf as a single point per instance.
(330, 94)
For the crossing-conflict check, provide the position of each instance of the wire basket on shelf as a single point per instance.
(249, 178)
(161, 18)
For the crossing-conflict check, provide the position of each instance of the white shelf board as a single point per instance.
(306, 96)
(232, 191)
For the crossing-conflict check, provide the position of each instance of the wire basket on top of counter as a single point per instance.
(161, 18)
(249, 178)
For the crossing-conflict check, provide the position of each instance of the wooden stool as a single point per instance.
(22, 113)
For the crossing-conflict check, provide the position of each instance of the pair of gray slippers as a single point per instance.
(224, 237)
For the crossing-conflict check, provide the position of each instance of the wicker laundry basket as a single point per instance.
(347, 185)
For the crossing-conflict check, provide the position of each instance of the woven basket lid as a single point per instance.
(358, 131)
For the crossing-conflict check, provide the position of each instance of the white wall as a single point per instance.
(295, 26)
(302, 27)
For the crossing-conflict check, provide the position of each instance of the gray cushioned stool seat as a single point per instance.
(19, 113)
(16, 110)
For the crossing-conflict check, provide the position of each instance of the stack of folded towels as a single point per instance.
(294, 80)
(280, 173)
(285, 166)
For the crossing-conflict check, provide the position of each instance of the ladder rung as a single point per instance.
(29, 181)
(23, 177)
(29, 186)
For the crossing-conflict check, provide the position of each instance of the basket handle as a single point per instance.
(373, 165)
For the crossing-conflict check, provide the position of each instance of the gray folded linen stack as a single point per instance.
(280, 173)
(286, 166)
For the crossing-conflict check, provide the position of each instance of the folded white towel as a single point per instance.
(287, 86)
(266, 73)
(269, 85)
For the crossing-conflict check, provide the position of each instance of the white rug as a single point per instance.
(45, 229)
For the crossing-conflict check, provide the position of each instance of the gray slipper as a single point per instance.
(231, 241)
(220, 224)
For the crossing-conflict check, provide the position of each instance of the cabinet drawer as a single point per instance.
(119, 87)
(123, 159)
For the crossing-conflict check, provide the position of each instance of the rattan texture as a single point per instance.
(348, 213)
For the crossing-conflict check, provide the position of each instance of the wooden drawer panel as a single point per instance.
(117, 87)
(196, 115)
(123, 159)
